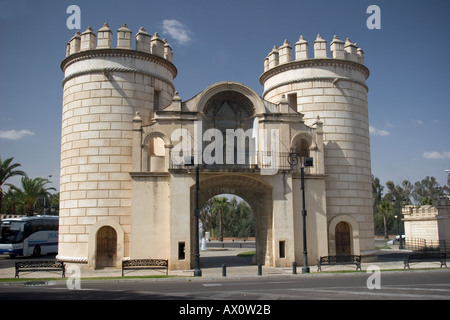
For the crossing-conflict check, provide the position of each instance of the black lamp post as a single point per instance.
(399, 222)
(293, 159)
(189, 162)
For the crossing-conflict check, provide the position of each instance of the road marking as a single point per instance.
(212, 284)
(380, 293)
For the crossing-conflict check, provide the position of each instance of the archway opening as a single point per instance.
(256, 194)
(228, 124)
(106, 247)
(227, 232)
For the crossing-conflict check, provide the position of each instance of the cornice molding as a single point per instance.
(89, 54)
(308, 63)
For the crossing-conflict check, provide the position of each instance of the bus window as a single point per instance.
(12, 232)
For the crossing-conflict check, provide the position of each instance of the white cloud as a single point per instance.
(14, 134)
(436, 155)
(416, 121)
(177, 30)
(378, 132)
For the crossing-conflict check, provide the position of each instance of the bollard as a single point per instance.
(224, 270)
(259, 269)
(294, 267)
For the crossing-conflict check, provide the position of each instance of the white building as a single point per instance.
(125, 191)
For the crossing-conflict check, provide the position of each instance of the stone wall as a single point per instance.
(103, 88)
(331, 87)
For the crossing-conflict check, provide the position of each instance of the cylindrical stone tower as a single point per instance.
(334, 89)
(104, 88)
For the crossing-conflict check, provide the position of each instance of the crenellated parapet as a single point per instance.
(417, 213)
(144, 42)
(338, 50)
(92, 52)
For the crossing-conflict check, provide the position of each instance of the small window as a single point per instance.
(292, 101)
(181, 251)
(282, 247)
(157, 100)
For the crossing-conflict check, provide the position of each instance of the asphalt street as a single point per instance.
(429, 284)
(242, 285)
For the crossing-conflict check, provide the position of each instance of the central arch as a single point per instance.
(255, 192)
(248, 96)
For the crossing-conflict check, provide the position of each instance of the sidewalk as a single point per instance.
(236, 267)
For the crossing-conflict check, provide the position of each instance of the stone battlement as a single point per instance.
(422, 211)
(338, 50)
(144, 42)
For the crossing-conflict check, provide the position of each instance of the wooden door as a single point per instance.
(343, 240)
(106, 247)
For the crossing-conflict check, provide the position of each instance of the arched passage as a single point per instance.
(106, 247)
(343, 240)
(343, 235)
(106, 244)
(255, 192)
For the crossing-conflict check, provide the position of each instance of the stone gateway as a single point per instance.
(126, 190)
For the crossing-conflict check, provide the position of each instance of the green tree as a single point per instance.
(385, 208)
(426, 190)
(377, 192)
(54, 204)
(398, 193)
(11, 204)
(219, 204)
(32, 190)
(447, 187)
(227, 218)
(8, 170)
(244, 222)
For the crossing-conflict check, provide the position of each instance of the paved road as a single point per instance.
(430, 284)
(406, 285)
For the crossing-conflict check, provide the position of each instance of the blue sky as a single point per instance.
(213, 41)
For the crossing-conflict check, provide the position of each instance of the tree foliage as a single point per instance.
(388, 205)
(223, 217)
(30, 197)
(8, 170)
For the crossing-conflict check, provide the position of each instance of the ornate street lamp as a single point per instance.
(293, 160)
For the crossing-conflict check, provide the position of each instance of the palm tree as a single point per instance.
(10, 202)
(219, 204)
(7, 170)
(385, 208)
(32, 190)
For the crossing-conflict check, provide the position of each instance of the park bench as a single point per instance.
(425, 256)
(40, 265)
(339, 260)
(138, 264)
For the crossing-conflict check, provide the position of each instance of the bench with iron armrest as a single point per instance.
(42, 265)
(425, 256)
(139, 264)
(339, 260)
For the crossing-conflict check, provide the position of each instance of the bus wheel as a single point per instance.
(12, 255)
(37, 251)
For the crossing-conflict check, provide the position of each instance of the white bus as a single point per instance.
(29, 236)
